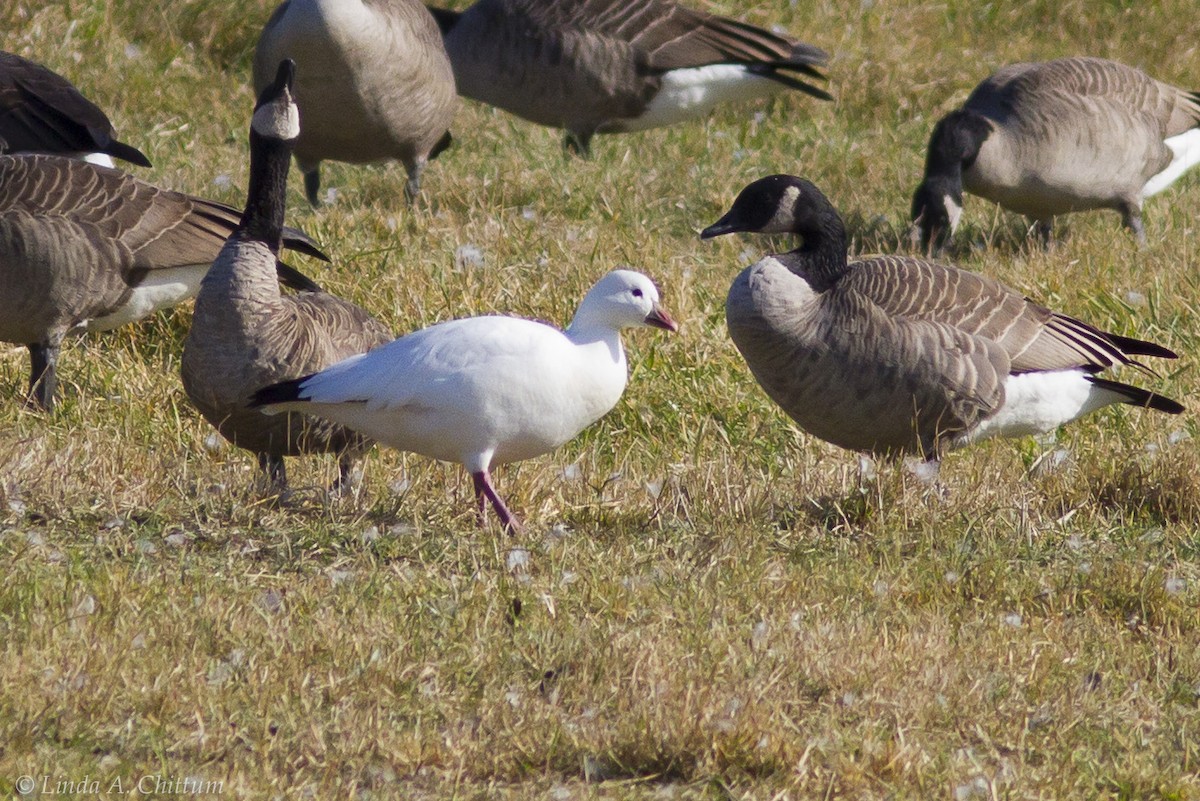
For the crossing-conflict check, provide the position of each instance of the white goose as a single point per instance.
(484, 390)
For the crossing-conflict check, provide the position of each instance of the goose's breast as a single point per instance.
(366, 83)
(831, 364)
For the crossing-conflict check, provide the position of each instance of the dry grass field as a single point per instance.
(706, 604)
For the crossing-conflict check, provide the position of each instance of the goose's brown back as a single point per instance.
(1074, 134)
(582, 64)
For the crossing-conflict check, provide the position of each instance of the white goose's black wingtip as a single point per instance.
(281, 392)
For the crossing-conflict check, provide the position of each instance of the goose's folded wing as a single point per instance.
(40, 111)
(668, 36)
(949, 378)
(1089, 85)
(1033, 337)
(432, 366)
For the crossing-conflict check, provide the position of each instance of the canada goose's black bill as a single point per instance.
(660, 318)
(725, 225)
(936, 211)
(285, 77)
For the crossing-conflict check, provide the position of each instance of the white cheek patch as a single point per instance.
(785, 218)
(278, 120)
(953, 212)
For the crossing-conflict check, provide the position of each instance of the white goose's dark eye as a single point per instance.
(637, 293)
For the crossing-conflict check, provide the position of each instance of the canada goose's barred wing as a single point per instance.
(670, 36)
(157, 228)
(1067, 82)
(226, 218)
(40, 111)
(323, 329)
(154, 226)
(1033, 337)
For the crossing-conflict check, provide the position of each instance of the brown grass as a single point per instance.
(713, 607)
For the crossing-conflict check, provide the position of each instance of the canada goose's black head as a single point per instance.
(776, 204)
(953, 147)
(936, 208)
(276, 115)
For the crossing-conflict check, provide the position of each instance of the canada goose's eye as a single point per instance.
(637, 293)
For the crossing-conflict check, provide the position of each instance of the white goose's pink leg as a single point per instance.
(484, 488)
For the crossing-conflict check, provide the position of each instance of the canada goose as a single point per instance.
(85, 247)
(611, 66)
(485, 390)
(41, 112)
(246, 334)
(896, 355)
(1053, 137)
(372, 80)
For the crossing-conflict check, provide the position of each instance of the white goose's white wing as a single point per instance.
(433, 366)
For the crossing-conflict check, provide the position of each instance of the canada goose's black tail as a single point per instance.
(120, 150)
(1136, 396)
(1195, 98)
(775, 74)
(804, 60)
(294, 279)
(445, 18)
(283, 392)
(1139, 347)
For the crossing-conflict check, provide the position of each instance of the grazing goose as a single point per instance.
(372, 80)
(1053, 137)
(41, 112)
(84, 247)
(611, 66)
(485, 390)
(245, 334)
(896, 355)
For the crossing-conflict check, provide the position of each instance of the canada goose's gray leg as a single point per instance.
(43, 358)
(346, 478)
(484, 489)
(272, 466)
(312, 186)
(1131, 216)
(578, 143)
(1045, 232)
(412, 187)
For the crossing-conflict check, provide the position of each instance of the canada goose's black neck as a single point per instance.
(445, 18)
(954, 145)
(266, 198)
(822, 253)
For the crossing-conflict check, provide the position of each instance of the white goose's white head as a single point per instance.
(277, 116)
(623, 299)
